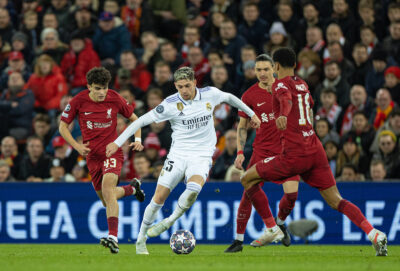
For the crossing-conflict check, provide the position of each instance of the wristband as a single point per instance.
(239, 152)
(138, 139)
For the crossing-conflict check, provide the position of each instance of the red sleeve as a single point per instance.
(125, 109)
(241, 113)
(70, 110)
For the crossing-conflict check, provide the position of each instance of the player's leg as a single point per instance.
(133, 188)
(333, 198)
(286, 205)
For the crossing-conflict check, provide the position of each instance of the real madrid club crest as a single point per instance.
(179, 106)
(208, 106)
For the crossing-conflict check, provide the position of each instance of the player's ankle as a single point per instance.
(240, 237)
(279, 221)
(114, 238)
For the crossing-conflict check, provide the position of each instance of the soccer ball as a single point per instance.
(182, 242)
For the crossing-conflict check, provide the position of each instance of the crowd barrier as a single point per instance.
(72, 213)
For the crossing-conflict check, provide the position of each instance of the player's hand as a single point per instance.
(281, 122)
(239, 161)
(136, 146)
(83, 149)
(255, 122)
(111, 149)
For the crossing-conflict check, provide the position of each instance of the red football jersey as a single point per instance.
(266, 142)
(299, 137)
(97, 120)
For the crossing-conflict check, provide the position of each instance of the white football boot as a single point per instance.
(141, 248)
(159, 228)
(379, 242)
(269, 236)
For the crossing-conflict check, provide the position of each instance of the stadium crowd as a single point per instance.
(348, 53)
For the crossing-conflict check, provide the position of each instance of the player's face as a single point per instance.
(186, 88)
(264, 72)
(98, 93)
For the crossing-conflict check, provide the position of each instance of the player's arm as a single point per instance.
(66, 134)
(285, 106)
(144, 120)
(137, 145)
(241, 141)
(236, 102)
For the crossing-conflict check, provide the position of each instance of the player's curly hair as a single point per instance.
(184, 73)
(99, 76)
(285, 56)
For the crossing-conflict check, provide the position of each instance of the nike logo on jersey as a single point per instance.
(260, 104)
(88, 113)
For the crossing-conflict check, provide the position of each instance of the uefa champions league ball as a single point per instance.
(182, 242)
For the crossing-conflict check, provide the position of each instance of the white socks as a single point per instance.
(150, 214)
(185, 201)
(115, 238)
(240, 237)
(279, 221)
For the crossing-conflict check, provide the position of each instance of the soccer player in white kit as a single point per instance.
(190, 112)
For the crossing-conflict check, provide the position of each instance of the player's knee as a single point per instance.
(333, 203)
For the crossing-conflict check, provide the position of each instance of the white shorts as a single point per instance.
(178, 168)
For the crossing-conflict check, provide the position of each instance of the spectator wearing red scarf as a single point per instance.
(385, 105)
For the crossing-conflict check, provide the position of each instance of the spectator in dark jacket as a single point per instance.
(83, 19)
(51, 45)
(389, 153)
(227, 158)
(50, 21)
(16, 63)
(163, 79)
(363, 132)
(391, 44)
(6, 27)
(374, 79)
(170, 55)
(110, 39)
(16, 107)
(361, 64)
(35, 165)
(392, 82)
(20, 44)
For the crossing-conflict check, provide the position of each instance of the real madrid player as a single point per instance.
(190, 112)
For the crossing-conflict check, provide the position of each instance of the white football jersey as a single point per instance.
(192, 122)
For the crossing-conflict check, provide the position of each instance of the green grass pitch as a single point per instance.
(204, 257)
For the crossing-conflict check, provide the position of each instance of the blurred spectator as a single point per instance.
(359, 101)
(349, 174)
(253, 28)
(31, 28)
(363, 132)
(310, 68)
(157, 168)
(151, 53)
(374, 79)
(377, 171)
(20, 44)
(324, 131)
(368, 38)
(331, 149)
(42, 128)
(233, 174)
(138, 74)
(392, 124)
(152, 147)
(329, 108)
(112, 6)
(169, 16)
(345, 18)
(60, 8)
(65, 153)
(336, 54)
(360, 60)
(247, 53)
(384, 105)
(391, 44)
(6, 27)
(368, 17)
(5, 173)
(16, 63)
(163, 79)
(170, 55)
(51, 45)
(35, 165)
(154, 97)
(83, 20)
(194, 17)
(130, 97)
(250, 77)
(392, 82)
(142, 167)
(315, 41)
(192, 37)
(50, 21)
(215, 58)
(110, 39)
(198, 63)
(220, 79)
(57, 173)
(78, 61)
(227, 157)
(310, 18)
(278, 38)
(16, 108)
(230, 8)
(287, 16)
(47, 83)
(389, 153)
(335, 33)
(9, 154)
(335, 81)
(351, 153)
(211, 30)
(5, 49)
(138, 18)
(393, 12)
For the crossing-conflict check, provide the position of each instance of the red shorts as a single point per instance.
(314, 169)
(255, 158)
(100, 166)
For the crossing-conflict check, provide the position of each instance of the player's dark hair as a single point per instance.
(99, 76)
(264, 57)
(285, 56)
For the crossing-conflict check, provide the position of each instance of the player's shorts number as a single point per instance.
(302, 120)
(111, 162)
(169, 166)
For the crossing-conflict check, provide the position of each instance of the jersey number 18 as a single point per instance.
(302, 120)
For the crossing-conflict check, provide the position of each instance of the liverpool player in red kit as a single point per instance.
(97, 109)
(302, 152)
(266, 143)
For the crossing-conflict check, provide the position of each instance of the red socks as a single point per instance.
(355, 215)
(286, 205)
(113, 226)
(243, 214)
(128, 190)
(260, 203)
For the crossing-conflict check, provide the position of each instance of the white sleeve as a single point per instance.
(225, 97)
(144, 120)
(162, 112)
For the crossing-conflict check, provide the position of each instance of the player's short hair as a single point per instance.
(42, 118)
(285, 56)
(264, 57)
(184, 73)
(99, 76)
